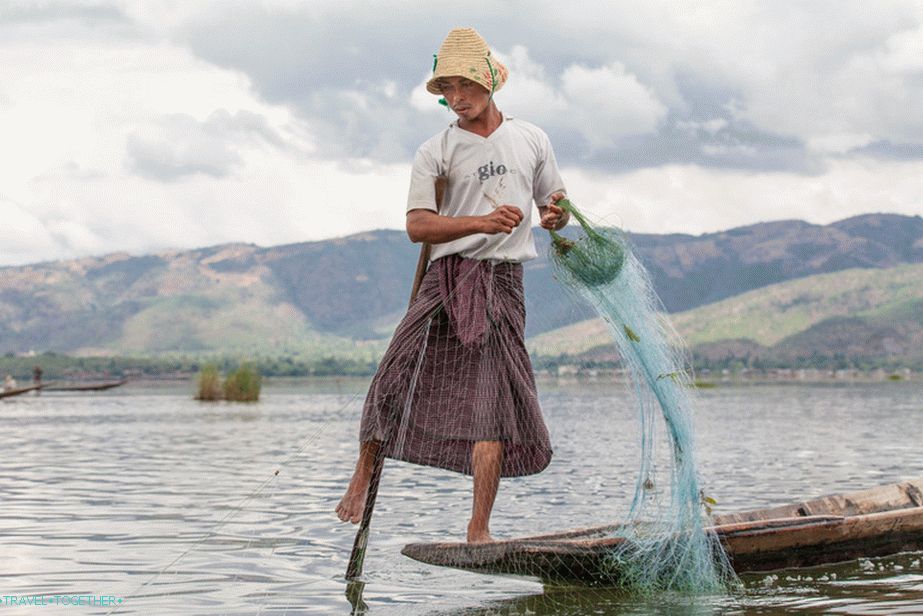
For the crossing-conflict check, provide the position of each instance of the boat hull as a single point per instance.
(835, 528)
(85, 386)
(9, 393)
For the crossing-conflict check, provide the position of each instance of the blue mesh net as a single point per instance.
(667, 543)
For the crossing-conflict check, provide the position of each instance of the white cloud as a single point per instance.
(77, 104)
(531, 91)
(818, 71)
(271, 199)
(608, 102)
(139, 146)
(178, 145)
(23, 236)
(170, 124)
(839, 143)
(421, 99)
(693, 199)
(710, 127)
(902, 53)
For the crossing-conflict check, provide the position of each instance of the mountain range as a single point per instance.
(345, 295)
(855, 317)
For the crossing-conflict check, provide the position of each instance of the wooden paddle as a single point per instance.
(357, 557)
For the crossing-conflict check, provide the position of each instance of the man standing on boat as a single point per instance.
(455, 388)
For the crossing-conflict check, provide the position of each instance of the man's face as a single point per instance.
(468, 99)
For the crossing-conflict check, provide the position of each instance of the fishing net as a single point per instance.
(665, 542)
(457, 375)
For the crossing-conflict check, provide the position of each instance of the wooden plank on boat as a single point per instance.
(882, 498)
(875, 522)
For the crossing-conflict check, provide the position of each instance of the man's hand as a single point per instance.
(553, 217)
(503, 219)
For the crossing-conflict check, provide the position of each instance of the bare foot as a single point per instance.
(352, 505)
(478, 535)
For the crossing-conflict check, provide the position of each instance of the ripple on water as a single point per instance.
(102, 493)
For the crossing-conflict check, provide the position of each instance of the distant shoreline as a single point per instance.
(57, 367)
(707, 381)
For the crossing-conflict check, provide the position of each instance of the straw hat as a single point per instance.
(464, 53)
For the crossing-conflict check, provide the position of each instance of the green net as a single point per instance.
(665, 542)
(593, 260)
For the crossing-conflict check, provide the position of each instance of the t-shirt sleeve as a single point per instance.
(547, 179)
(423, 181)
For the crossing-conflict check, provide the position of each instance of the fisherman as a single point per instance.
(474, 406)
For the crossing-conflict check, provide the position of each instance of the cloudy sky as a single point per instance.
(145, 125)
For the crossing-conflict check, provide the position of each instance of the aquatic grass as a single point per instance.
(243, 385)
(209, 384)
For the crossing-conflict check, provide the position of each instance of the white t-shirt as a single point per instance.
(515, 165)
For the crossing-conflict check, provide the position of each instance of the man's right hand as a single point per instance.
(503, 219)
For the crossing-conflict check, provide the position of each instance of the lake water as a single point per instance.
(173, 506)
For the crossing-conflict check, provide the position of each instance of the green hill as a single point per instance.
(861, 315)
(222, 299)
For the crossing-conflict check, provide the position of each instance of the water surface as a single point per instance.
(175, 506)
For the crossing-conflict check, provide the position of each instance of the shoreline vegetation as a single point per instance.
(59, 366)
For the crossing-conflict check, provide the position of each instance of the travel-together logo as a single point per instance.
(66, 600)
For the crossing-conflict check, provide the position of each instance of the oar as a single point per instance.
(357, 557)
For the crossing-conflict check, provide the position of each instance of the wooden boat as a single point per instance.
(8, 393)
(84, 386)
(876, 522)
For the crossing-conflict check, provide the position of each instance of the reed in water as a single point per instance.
(209, 384)
(242, 385)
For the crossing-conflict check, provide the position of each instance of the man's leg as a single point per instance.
(353, 502)
(486, 458)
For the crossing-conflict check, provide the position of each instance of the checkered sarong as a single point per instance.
(457, 372)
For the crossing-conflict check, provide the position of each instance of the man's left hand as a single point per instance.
(553, 217)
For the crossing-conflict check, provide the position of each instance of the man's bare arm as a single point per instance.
(428, 226)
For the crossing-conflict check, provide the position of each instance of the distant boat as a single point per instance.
(875, 522)
(84, 386)
(8, 393)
